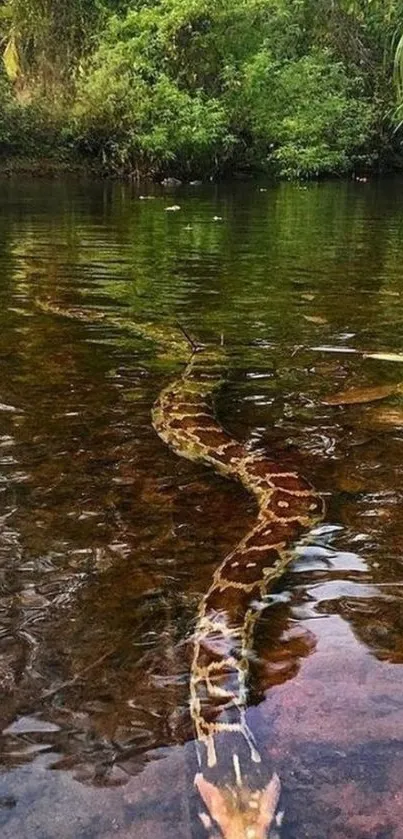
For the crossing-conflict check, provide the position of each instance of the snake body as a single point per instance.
(184, 418)
(240, 805)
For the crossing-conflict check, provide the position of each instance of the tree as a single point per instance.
(45, 41)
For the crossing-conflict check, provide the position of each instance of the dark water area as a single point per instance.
(108, 540)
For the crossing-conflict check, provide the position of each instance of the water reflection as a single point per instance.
(107, 540)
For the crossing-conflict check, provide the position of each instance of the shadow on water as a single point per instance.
(108, 540)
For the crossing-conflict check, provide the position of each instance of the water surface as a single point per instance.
(108, 540)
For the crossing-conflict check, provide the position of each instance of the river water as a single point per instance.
(108, 540)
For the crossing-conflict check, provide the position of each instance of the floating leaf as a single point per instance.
(8, 408)
(387, 417)
(360, 395)
(384, 356)
(333, 349)
(315, 319)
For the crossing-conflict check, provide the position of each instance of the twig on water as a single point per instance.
(196, 347)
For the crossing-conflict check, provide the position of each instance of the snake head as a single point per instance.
(239, 812)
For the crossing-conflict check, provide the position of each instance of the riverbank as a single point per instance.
(48, 167)
(53, 167)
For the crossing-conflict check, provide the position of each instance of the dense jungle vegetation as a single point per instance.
(297, 88)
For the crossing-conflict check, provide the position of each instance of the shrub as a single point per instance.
(196, 84)
(307, 116)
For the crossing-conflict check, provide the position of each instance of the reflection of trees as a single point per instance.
(269, 248)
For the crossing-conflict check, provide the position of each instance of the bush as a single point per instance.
(307, 117)
(199, 85)
(19, 124)
(134, 124)
(301, 88)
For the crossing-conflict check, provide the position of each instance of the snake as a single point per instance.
(239, 801)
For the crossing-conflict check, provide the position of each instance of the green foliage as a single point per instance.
(23, 128)
(199, 84)
(132, 123)
(300, 88)
(141, 105)
(315, 115)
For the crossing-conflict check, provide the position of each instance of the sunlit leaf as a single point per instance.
(11, 60)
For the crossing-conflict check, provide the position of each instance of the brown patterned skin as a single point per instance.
(241, 805)
(183, 417)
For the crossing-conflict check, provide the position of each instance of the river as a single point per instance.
(108, 540)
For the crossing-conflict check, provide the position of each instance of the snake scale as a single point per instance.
(240, 801)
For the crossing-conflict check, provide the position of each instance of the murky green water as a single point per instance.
(108, 540)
